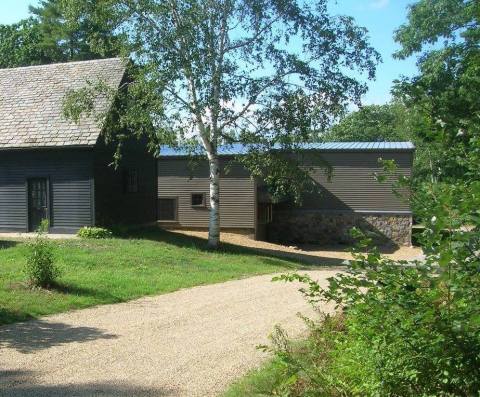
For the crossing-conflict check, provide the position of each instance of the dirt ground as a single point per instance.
(193, 342)
(320, 255)
(53, 236)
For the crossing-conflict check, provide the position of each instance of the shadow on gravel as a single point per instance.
(22, 384)
(181, 240)
(36, 335)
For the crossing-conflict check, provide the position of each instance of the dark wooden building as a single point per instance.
(52, 168)
(352, 197)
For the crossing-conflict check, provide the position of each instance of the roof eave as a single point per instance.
(58, 147)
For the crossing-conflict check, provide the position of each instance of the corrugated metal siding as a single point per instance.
(70, 176)
(353, 185)
(176, 178)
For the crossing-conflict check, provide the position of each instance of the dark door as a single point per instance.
(37, 202)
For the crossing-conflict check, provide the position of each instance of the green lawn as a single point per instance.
(116, 270)
(259, 382)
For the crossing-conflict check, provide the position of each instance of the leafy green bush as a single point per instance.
(40, 266)
(94, 232)
(410, 329)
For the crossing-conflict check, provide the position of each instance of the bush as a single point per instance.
(94, 232)
(40, 265)
(409, 329)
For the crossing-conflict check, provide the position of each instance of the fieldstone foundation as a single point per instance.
(316, 227)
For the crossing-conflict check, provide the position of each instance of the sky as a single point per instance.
(380, 17)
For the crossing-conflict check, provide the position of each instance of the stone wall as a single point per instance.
(317, 227)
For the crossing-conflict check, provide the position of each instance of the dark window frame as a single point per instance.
(203, 204)
(175, 209)
(131, 183)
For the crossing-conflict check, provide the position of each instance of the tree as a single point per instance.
(83, 39)
(47, 36)
(373, 123)
(265, 73)
(20, 44)
(449, 79)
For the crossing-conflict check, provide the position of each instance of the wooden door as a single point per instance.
(37, 202)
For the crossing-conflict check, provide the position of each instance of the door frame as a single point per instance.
(27, 200)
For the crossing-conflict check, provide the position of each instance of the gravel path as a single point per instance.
(192, 342)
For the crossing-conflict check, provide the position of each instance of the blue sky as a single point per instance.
(380, 17)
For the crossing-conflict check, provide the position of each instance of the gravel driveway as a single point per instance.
(192, 342)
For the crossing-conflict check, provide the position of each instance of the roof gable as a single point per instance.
(31, 103)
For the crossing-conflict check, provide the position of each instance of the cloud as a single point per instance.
(379, 4)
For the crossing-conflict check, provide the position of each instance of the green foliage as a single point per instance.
(40, 265)
(409, 329)
(20, 44)
(445, 35)
(223, 72)
(83, 39)
(48, 37)
(94, 232)
(375, 123)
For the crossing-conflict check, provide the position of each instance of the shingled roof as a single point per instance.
(31, 103)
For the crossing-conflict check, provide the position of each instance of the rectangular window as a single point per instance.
(167, 209)
(265, 213)
(198, 200)
(131, 181)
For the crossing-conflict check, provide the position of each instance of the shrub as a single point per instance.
(40, 265)
(409, 329)
(94, 232)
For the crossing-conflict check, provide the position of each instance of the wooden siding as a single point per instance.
(70, 174)
(179, 178)
(353, 186)
(113, 204)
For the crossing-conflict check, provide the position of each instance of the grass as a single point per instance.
(259, 382)
(116, 270)
(303, 367)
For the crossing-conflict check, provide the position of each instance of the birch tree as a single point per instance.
(265, 73)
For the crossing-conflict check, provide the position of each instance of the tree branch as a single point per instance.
(250, 40)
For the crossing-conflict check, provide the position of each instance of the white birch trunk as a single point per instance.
(214, 223)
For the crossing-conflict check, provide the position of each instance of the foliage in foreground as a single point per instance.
(40, 267)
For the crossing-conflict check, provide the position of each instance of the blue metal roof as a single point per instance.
(238, 148)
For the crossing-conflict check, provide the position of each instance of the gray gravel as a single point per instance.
(192, 342)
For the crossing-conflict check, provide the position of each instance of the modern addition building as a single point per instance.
(351, 197)
(52, 168)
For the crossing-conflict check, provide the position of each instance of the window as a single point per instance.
(265, 213)
(167, 209)
(198, 199)
(131, 181)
